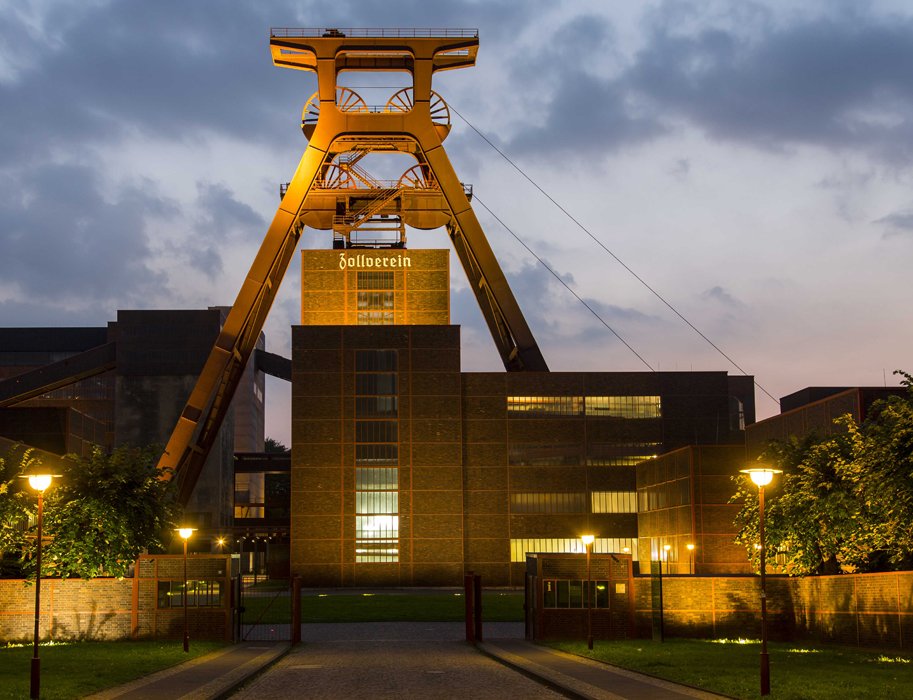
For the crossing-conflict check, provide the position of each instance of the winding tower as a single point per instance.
(330, 190)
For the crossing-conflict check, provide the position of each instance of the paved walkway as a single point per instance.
(399, 660)
(206, 677)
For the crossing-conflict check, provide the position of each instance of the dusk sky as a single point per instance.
(751, 161)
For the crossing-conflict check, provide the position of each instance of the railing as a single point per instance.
(358, 33)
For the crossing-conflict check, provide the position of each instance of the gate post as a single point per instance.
(469, 596)
(296, 610)
(477, 607)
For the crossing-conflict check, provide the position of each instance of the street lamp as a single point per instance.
(185, 533)
(588, 544)
(762, 476)
(39, 482)
(690, 548)
(666, 548)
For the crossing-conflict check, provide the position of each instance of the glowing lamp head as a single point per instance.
(587, 539)
(761, 476)
(186, 532)
(40, 482)
(667, 547)
(689, 547)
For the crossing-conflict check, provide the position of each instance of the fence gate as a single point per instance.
(264, 609)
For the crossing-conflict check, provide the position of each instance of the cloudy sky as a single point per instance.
(752, 162)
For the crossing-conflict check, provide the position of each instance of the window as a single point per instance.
(375, 406)
(570, 593)
(544, 455)
(377, 455)
(374, 280)
(374, 300)
(602, 545)
(376, 431)
(623, 406)
(545, 405)
(374, 318)
(376, 443)
(376, 479)
(200, 594)
(375, 360)
(548, 503)
(625, 454)
(380, 383)
(670, 494)
(614, 501)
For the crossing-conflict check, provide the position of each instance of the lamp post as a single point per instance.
(39, 482)
(588, 544)
(185, 533)
(762, 476)
(666, 548)
(690, 548)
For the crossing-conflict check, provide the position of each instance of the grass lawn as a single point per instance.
(78, 669)
(732, 668)
(385, 607)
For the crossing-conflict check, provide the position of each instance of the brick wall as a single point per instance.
(100, 608)
(110, 608)
(861, 610)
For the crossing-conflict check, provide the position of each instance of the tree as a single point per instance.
(15, 503)
(274, 446)
(883, 477)
(106, 510)
(843, 502)
(812, 514)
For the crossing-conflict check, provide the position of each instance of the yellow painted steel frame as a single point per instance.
(329, 52)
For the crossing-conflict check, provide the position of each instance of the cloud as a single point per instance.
(838, 82)
(721, 295)
(897, 223)
(66, 236)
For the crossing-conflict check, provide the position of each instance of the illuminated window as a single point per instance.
(545, 405)
(376, 455)
(548, 503)
(633, 407)
(374, 318)
(376, 479)
(572, 545)
(376, 538)
(623, 406)
(377, 502)
(374, 280)
(371, 301)
(621, 454)
(614, 501)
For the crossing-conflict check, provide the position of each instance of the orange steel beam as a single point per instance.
(327, 52)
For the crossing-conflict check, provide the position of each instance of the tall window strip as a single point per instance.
(614, 501)
(376, 430)
(630, 407)
(602, 545)
(374, 298)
